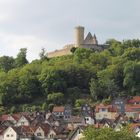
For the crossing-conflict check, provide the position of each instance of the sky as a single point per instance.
(49, 24)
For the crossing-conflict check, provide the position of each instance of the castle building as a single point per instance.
(80, 41)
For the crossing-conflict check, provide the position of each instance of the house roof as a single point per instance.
(4, 117)
(71, 135)
(58, 109)
(132, 108)
(110, 122)
(88, 37)
(16, 116)
(111, 108)
(134, 99)
(120, 117)
(75, 119)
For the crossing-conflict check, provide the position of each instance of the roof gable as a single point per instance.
(88, 37)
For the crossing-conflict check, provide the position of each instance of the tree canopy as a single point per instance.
(83, 74)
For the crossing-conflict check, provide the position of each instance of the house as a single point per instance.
(10, 134)
(39, 133)
(24, 120)
(89, 120)
(105, 111)
(44, 132)
(25, 133)
(62, 111)
(13, 118)
(18, 133)
(105, 122)
(134, 100)
(132, 111)
(52, 119)
(87, 110)
(120, 121)
(74, 122)
(7, 123)
(77, 133)
(88, 113)
(1, 132)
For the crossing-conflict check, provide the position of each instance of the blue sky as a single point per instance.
(35, 24)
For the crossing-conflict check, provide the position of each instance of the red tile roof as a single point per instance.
(16, 116)
(111, 108)
(58, 109)
(4, 117)
(132, 108)
(134, 99)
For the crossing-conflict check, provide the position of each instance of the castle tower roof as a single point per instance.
(95, 41)
(88, 37)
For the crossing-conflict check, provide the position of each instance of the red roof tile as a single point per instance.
(134, 99)
(132, 108)
(58, 109)
(111, 108)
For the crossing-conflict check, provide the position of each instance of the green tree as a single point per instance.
(81, 54)
(6, 63)
(131, 77)
(56, 98)
(95, 89)
(21, 58)
(53, 81)
(42, 54)
(92, 133)
(80, 102)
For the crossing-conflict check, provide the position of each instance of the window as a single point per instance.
(103, 110)
(38, 134)
(22, 123)
(7, 135)
(11, 135)
(51, 135)
(87, 119)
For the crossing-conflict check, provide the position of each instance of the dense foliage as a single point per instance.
(84, 74)
(108, 134)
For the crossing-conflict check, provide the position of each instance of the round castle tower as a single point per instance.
(79, 36)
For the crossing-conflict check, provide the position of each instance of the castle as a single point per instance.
(80, 41)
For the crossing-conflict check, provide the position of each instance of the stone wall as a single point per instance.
(64, 51)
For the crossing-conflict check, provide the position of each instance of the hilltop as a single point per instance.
(86, 74)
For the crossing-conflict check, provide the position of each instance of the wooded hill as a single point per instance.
(72, 78)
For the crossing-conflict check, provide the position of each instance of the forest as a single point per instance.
(72, 79)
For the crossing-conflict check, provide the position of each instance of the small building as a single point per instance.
(134, 100)
(24, 120)
(62, 112)
(133, 111)
(106, 111)
(77, 133)
(10, 134)
(74, 122)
